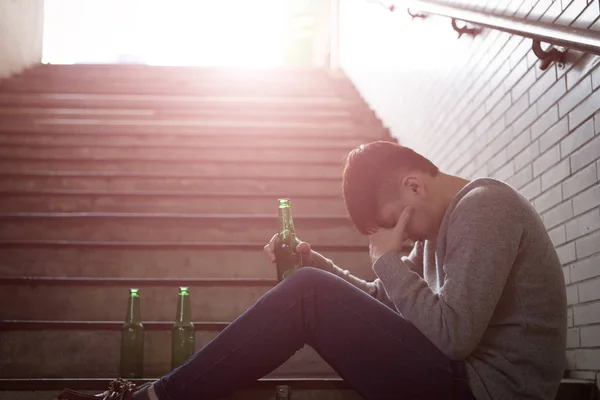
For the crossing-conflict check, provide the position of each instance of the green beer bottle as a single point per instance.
(287, 259)
(132, 339)
(183, 343)
(283, 392)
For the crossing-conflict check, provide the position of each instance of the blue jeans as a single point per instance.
(374, 349)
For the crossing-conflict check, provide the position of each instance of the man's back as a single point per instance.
(523, 346)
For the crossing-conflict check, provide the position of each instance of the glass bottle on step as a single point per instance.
(287, 259)
(183, 343)
(132, 339)
(283, 392)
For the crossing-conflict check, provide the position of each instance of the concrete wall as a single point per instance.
(482, 107)
(21, 33)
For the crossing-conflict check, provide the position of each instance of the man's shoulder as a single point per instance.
(488, 193)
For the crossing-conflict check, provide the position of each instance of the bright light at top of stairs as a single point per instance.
(165, 32)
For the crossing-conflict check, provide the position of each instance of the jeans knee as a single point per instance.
(310, 276)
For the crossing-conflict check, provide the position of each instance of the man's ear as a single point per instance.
(412, 184)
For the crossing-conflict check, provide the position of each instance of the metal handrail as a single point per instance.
(584, 40)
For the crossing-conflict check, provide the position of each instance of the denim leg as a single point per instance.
(372, 347)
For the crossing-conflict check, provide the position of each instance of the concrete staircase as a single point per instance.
(121, 176)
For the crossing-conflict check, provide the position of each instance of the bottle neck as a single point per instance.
(286, 223)
(133, 309)
(184, 312)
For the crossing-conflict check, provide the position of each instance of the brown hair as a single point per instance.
(368, 172)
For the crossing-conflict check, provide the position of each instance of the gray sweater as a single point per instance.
(490, 291)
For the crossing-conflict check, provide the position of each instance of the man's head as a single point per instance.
(381, 178)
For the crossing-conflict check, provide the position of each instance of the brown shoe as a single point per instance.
(118, 389)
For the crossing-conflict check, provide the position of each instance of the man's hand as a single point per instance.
(303, 249)
(386, 240)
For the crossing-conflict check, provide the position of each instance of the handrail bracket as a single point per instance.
(557, 54)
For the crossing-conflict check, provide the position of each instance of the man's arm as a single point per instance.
(483, 237)
(374, 288)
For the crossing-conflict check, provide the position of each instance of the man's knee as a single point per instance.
(311, 277)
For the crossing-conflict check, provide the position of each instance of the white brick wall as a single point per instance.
(482, 107)
(21, 32)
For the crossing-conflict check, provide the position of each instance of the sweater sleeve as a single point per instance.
(374, 288)
(482, 241)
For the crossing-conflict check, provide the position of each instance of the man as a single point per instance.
(477, 310)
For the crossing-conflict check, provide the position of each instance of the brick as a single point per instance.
(551, 96)
(527, 155)
(596, 77)
(566, 275)
(544, 82)
(573, 340)
(519, 53)
(570, 358)
(583, 225)
(586, 109)
(586, 200)
(554, 134)
(498, 160)
(566, 253)
(544, 122)
(552, 12)
(577, 138)
(574, 96)
(585, 269)
(590, 336)
(572, 295)
(525, 120)
(574, 8)
(532, 189)
(520, 178)
(558, 236)
(505, 171)
(585, 375)
(556, 174)
(587, 154)
(586, 314)
(570, 323)
(514, 111)
(546, 160)
(580, 181)
(587, 359)
(538, 10)
(558, 214)
(548, 199)
(518, 143)
(588, 245)
(579, 65)
(589, 290)
(587, 17)
(524, 83)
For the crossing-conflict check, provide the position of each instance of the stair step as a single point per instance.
(316, 388)
(313, 388)
(170, 227)
(148, 202)
(77, 299)
(181, 154)
(124, 101)
(210, 114)
(166, 166)
(103, 127)
(158, 259)
(178, 139)
(120, 181)
(92, 352)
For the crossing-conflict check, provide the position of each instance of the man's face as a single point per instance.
(421, 223)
